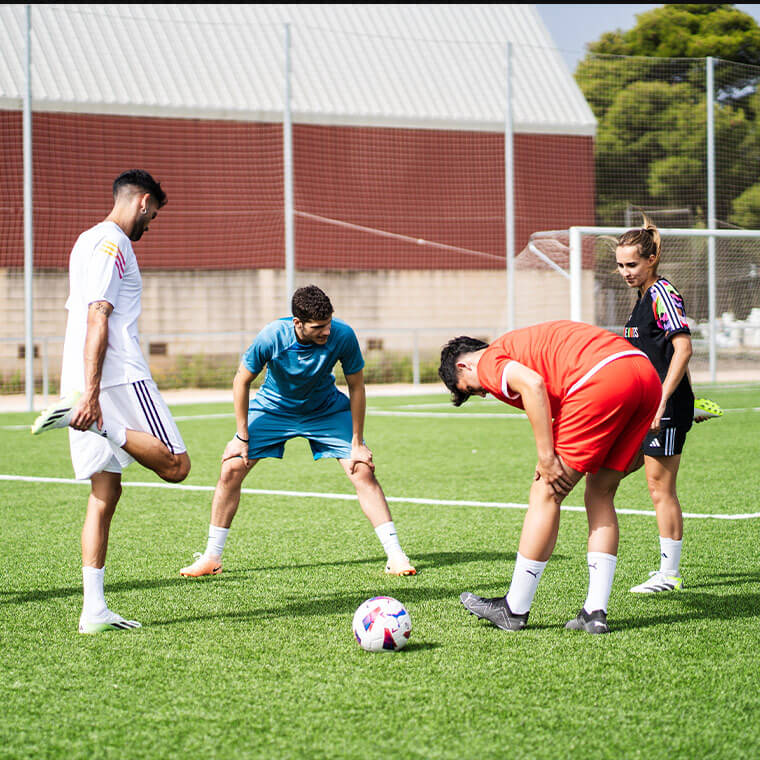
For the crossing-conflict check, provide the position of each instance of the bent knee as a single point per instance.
(233, 471)
(363, 477)
(178, 470)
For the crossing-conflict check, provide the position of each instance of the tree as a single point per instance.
(647, 89)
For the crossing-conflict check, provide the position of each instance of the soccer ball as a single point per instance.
(382, 624)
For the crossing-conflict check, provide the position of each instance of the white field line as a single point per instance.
(352, 497)
(387, 413)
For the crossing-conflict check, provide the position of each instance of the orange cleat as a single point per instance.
(400, 566)
(203, 565)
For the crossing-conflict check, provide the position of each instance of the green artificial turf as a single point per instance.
(260, 662)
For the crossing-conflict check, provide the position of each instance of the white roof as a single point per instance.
(402, 65)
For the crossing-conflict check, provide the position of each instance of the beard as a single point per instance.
(137, 232)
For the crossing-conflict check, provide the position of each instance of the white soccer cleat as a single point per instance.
(109, 621)
(659, 581)
(400, 565)
(56, 416)
(704, 409)
(203, 565)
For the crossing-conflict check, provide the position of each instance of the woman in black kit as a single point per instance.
(658, 327)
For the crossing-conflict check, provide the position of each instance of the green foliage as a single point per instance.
(688, 30)
(746, 208)
(650, 105)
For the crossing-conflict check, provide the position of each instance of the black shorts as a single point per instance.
(667, 442)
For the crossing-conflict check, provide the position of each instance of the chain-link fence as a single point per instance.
(381, 159)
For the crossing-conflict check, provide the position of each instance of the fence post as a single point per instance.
(509, 189)
(287, 155)
(28, 218)
(415, 358)
(576, 273)
(45, 373)
(711, 220)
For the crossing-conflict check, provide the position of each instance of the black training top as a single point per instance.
(658, 315)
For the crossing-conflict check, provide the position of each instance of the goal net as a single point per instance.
(717, 272)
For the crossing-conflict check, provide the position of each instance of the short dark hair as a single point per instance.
(141, 180)
(310, 304)
(448, 371)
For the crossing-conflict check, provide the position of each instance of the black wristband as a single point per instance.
(244, 440)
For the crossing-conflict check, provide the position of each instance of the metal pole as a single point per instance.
(45, 373)
(28, 227)
(415, 358)
(287, 153)
(576, 272)
(711, 219)
(509, 192)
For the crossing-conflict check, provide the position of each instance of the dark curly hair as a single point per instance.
(310, 304)
(448, 371)
(140, 180)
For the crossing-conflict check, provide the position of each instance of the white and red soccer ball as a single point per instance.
(382, 624)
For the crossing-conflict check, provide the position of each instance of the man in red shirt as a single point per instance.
(590, 398)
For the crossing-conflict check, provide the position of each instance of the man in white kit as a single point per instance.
(110, 403)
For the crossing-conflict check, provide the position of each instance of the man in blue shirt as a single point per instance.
(299, 398)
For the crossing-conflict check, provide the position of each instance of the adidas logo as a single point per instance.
(654, 443)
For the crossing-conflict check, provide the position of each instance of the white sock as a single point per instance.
(216, 539)
(389, 539)
(525, 578)
(670, 556)
(601, 572)
(94, 605)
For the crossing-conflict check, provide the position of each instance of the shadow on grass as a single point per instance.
(725, 579)
(422, 562)
(421, 646)
(330, 604)
(695, 605)
(41, 595)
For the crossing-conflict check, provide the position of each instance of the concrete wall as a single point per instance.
(382, 305)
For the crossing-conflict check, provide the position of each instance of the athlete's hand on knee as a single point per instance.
(86, 412)
(552, 471)
(360, 454)
(236, 448)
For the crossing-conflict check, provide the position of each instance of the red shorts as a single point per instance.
(603, 423)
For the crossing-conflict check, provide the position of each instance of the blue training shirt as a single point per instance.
(299, 377)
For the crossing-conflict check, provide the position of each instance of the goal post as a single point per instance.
(718, 271)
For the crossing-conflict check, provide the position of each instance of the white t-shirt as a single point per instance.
(103, 267)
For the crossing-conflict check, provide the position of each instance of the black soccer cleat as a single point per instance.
(591, 622)
(496, 610)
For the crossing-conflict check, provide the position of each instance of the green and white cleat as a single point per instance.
(110, 621)
(704, 409)
(56, 416)
(659, 581)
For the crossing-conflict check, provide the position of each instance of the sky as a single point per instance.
(572, 26)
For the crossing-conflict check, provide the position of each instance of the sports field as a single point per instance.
(260, 662)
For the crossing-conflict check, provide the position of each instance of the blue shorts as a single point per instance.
(329, 432)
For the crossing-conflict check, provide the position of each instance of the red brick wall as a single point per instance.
(225, 189)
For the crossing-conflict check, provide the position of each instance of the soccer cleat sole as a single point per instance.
(55, 416)
(121, 625)
(704, 409)
(403, 572)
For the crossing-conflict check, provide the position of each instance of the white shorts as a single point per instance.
(135, 406)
